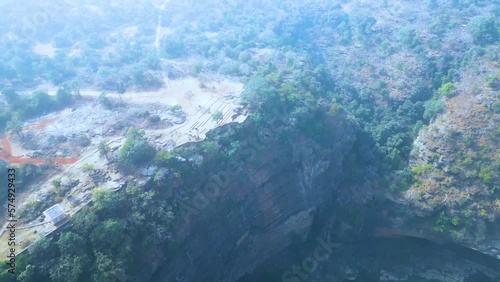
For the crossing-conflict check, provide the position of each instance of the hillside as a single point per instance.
(219, 138)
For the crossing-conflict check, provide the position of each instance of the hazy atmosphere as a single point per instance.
(250, 141)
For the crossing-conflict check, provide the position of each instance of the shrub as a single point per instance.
(103, 148)
(493, 81)
(422, 169)
(455, 170)
(443, 223)
(467, 162)
(495, 107)
(31, 211)
(230, 68)
(217, 116)
(486, 175)
(484, 29)
(432, 108)
(135, 150)
(256, 91)
(105, 101)
(154, 119)
(83, 140)
(172, 46)
(469, 140)
(175, 108)
(56, 183)
(87, 167)
(163, 157)
(63, 97)
(447, 90)
(210, 147)
(408, 36)
(29, 172)
(469, 174)
(483, 213)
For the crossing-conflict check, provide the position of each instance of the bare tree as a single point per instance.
(121, 89)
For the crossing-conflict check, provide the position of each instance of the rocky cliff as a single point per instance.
(455, 161)
(263, 199)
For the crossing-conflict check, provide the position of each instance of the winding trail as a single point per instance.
(158, 28)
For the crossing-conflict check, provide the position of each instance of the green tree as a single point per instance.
(443, 223)
(133, 133)
(103, 149)
(161, 177)
(68, 268)
(257, 91)
(217, 116)
(64, 96)
(5, 275)
(135, 150)
(106, 268)
(105, 101)
(493, 81)
(85, 222)
(484, 29)
(447, 90)
(70, 243)
(38, 102)
(109, 235)
(28, 172)
(121, 89)
(105, 199)
(43, 254)
(56, 183)
(486, 175)
(432, 108)
(27, 275)
(162, 158)
(172, 46)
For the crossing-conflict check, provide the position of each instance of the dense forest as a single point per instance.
(390, 68)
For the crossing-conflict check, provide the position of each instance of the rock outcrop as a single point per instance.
(258, 206)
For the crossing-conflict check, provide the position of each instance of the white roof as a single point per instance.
(54, 211)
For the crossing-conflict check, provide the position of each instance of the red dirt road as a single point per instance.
(6, 152)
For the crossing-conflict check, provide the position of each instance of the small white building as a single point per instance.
(55, 213)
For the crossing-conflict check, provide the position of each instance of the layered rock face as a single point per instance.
(258, 207)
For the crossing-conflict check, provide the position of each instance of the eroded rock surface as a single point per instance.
(266, 205)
